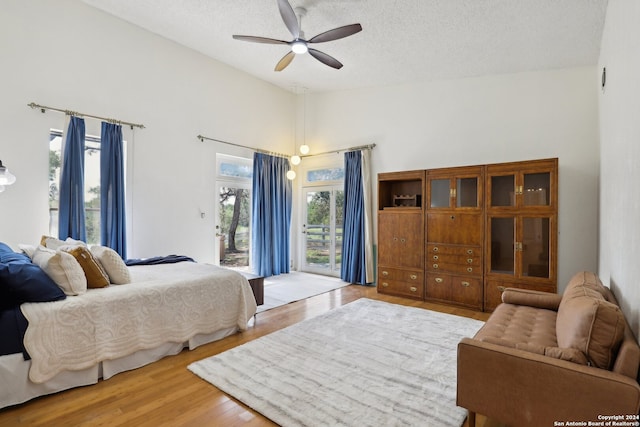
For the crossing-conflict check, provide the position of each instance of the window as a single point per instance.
(91, 184)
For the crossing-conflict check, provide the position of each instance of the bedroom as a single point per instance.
(178, 93)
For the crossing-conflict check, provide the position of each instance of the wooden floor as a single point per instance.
(166, 393)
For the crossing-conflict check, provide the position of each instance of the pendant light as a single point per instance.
(6, 177)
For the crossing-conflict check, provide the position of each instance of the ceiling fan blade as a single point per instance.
(325, 59)
(289, 17)
(336, 33)
(286, 60)
(255, 39)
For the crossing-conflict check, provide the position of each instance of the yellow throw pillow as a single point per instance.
(96, 277)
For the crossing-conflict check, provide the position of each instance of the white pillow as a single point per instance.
(53, 243)
(27, 249)
(62, 268)
(113, 264)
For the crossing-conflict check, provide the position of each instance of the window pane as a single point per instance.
(327, 174)
(235, 170)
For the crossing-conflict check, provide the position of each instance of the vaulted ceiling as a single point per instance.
(402, 41)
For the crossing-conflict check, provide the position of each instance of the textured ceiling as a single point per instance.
(402, 41)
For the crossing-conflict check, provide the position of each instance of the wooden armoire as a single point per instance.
(462, 235)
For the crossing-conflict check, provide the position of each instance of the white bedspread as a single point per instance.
(165, 303)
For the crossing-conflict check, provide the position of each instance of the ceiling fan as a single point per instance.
(299, 45)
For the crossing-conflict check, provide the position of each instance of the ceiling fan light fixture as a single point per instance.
(299, 47)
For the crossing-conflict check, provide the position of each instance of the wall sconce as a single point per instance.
(6, 177)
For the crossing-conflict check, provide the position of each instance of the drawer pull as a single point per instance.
(435, 257)
(413, 289)
(413, 276)
(395, 239)
(435, 266)
(403, 240)
(469, 260)
(470, 269)
(439, 280)
(501, 288)
(465, 284)
(385, 284)
(385, 273)
(435, 249)
(470, 251)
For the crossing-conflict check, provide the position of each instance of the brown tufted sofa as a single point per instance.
(545, 359)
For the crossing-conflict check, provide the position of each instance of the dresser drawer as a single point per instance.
(407, 289)
(460, 250)
(410, 276)
(438, 286)
(461, 290)
(447, 267)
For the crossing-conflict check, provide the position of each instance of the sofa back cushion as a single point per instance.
(588, 322)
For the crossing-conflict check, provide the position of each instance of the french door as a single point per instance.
(322, 229)
(233, 225)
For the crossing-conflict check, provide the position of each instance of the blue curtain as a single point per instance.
(271, 215)
(71, 215)
(357, 238)
(113, 231)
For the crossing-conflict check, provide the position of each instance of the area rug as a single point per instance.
(294, 286)
(368, 363)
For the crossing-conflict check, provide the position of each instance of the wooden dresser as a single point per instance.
(461, 235)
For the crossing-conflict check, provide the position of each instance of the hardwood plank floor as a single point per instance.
(165, 393)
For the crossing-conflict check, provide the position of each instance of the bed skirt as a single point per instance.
(17, 388)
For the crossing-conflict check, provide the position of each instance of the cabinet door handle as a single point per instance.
(385, 273)
(469, 260)
(439, 280)
(435, 257)
(435, 266)
(413, 289)
(403, 240)
(385, 284)
(414, 276)
(501, 288)
(465, 284)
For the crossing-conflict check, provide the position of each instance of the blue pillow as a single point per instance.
(21, 281)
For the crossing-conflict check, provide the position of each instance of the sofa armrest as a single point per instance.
(537, 299)
(516, 387)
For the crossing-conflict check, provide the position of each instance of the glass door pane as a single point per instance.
(317, 228)
(323, 230)
(339, 212)
(503, 190)
(467, 192)
(502, 250)
(233, 229)
(535, 247)
(439, 193)
(536, 189)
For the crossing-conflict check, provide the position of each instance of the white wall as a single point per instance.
(69, 55)
(66, 54)
(619, 259)
(479, 121)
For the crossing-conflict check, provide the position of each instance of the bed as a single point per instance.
(53, 341)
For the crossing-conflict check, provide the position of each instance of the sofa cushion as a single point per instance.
(588, 322)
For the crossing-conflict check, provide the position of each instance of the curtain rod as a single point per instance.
(341, 150)
(43, 108)
(202, 138)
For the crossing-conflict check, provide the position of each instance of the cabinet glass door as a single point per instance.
(502, 251)
(440, 193)
(503, 190)
(467, 192)
(535, 247)
(536, 189)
